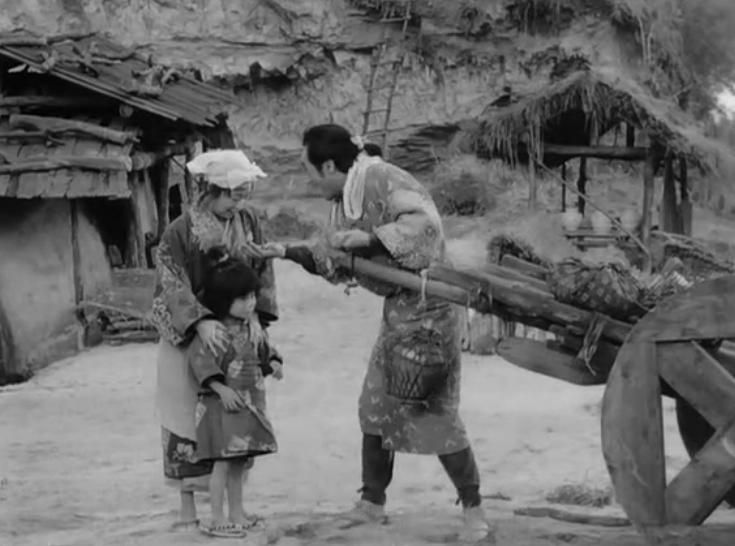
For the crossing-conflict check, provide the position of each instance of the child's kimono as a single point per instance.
(245, 433)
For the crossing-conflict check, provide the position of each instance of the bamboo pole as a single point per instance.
(486, 293)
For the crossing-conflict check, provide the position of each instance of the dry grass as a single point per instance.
(607, 99)
(581, 495)
(464, 186)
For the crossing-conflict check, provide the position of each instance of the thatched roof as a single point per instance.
(591, 102)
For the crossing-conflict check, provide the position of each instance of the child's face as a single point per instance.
(243, 308)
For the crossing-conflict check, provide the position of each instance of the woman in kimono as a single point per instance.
(217, 219)
(381, 212)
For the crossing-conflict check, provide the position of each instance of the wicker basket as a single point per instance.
(416, 366)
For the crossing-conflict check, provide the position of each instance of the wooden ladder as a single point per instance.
(375, 85)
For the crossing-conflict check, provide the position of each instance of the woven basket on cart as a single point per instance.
(610, 289)
(416, 367)
(700, 262)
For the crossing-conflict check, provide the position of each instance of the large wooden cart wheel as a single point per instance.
(672, 343)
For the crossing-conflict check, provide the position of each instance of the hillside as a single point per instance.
(294, 63)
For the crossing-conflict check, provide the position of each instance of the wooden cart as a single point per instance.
(674, 350)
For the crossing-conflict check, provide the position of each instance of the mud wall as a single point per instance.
(36, 275)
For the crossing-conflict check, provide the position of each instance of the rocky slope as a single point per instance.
(294, 63)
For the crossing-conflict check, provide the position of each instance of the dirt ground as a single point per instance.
(80, 460)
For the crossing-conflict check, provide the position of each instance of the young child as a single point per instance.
(231, 422)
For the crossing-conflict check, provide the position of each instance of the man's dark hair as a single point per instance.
(226, 279)
(330, 141)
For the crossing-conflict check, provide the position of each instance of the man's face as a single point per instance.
(329, 181)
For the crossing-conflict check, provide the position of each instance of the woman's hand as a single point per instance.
(267, 250)
(231, 399)
(350, 239)
(213, 334)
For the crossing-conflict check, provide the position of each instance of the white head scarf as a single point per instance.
(227, 169)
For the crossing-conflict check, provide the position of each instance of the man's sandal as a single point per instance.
(224, 530)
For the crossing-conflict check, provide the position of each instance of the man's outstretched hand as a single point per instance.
(350, 239)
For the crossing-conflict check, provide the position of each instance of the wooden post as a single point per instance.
(136, 235)
(649, 172)
(685, 208)
(669, 210)
(532, 183)
(629, 135)
(582, 184)
(76, 252)
(564, 187)
(162, 184)
(188, 192)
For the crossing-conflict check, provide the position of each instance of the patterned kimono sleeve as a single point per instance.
(267, 305)
(413, 236)
(204, 364)
(176, 309)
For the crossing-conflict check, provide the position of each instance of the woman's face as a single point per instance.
(243, 308)
(243, 192)
(329, 181)
(223, 204)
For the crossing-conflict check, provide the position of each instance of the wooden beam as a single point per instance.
(522, 301)
(546, 359)
(649, 172)
(82, 162)
(30, 135)
(526, 268)
(564, 187)
(42, 101)
(599, 152)
(146, 160)
(62, 125)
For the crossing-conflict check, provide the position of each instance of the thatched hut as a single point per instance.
(567, 118)
(88, 133)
